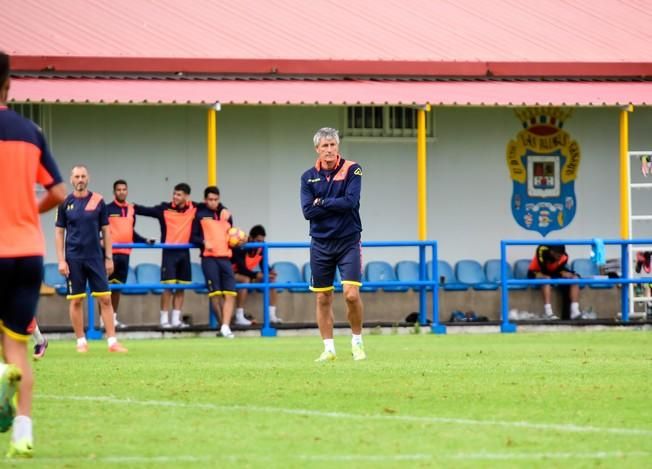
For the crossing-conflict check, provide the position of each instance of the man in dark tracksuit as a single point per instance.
(176, 219)
(330, 199)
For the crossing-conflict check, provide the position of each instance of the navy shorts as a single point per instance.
(83, 270)
(326, 255)
(220, 279)
(20, 286)
(175, 266)
(120, 268)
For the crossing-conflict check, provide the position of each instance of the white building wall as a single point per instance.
(262, 151)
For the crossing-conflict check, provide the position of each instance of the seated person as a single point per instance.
(551, 262)
(247, 265)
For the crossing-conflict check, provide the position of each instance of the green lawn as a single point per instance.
(491, 400)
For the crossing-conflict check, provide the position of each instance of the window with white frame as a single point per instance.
(384, 121)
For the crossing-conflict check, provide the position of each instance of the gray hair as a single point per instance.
(328, 133)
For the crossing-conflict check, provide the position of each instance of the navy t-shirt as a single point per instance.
(83, 218)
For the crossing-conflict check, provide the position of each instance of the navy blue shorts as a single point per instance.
(83, 270)
(220, 279)
(20, 286)
(120, 268)
(326, 255)
(175, 266)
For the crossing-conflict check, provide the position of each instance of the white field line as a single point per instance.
(380, 458)
(561, 427)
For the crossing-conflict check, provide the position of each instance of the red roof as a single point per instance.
(335, 37)
(336, 92)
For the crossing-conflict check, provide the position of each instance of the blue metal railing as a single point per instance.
(268, 330)
(505, 282)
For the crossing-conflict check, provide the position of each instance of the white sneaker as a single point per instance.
(550, 317)
(577, 315)
(241, 321)
(120, 325)
(165, 325)
(180, 325)
(275, 320)
(513, 315)
(226, 332)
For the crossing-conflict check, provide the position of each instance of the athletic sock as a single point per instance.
(38, 337)
(22, 428)
(575, 308)
(329, 345)
(176, 316)
(164, 317)
(111, 341)
(356, 339)
(547, 308)
(81, 341)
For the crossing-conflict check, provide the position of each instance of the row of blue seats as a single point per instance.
(466, 274)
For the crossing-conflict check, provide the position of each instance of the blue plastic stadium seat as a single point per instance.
(54, 279)
(149, 273)
(408, 271)
(587, 269)
(521, 267)
(492, 272)
(307, 276)
(287, 272)
(132, 279)
(470, 272)
(445, 272)
(381, 271)
(197, 276)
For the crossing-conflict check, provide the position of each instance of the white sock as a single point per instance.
(239, 313)
(111, 341)
(115, 317)
(547, 308)
(356, 339)
(225, 329)
(22, 428)
(38, 337)
(164, 317)
(176, 316)
(575, 308)
(329, 345)
(272, 311)
(81, 341)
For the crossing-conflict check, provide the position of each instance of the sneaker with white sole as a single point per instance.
(180, 325)
(165, 325)
(275, 320)
(550, 317)
(326, 356)
(23, 448)
(241, 321)
(357, 350)
(226, 332)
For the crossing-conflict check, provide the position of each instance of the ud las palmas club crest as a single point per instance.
(543, 162)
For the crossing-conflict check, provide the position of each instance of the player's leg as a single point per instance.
(76, 294)
(546, 293)
(97, 279)
(119, 276)
(183, 275)
(21, 309)
(323, 264)
(168, 275)
(350, 265)
(241, 301)
(210, 268)
(227, 285)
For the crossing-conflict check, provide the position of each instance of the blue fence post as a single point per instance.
(422, 288)
(92, 333)
(267, 330)
(437, 327)
(505, 325)
(624, 290)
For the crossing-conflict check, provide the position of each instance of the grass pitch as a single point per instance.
(550, 399)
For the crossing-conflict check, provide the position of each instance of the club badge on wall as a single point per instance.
(543, 162)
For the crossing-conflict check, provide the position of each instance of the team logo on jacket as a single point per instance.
(543, 162)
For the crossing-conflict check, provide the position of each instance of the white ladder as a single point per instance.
(637, 218)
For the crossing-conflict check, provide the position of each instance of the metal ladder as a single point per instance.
(633, 300)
